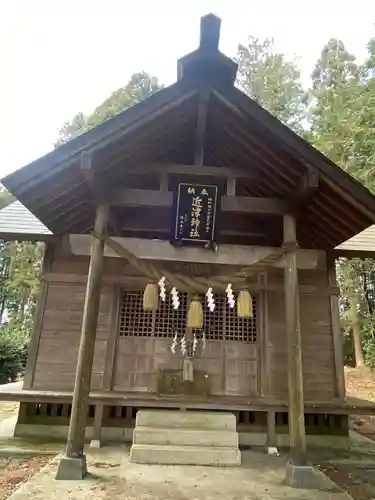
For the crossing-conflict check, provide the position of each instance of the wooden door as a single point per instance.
(227, 346)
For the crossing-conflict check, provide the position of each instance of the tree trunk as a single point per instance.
(23, 304)
(356, 330)
(358, 349)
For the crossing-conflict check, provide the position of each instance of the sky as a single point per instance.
(59, 57)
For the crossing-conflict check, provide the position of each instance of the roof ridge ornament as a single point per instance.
(207, 65)
(210, 33)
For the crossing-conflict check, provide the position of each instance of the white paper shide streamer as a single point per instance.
(162, 293)
(230, 295)
(174, 343)
(183, 346)
(195, 343)
(210, 300)
(175, 299)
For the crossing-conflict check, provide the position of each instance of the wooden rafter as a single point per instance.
(267, 124)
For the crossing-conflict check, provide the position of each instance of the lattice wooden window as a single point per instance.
(134, 321)
(222, 324)
(168, 320)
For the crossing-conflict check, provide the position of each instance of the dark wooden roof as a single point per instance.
(239, 134)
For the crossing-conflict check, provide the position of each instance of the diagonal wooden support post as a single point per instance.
(73, 464)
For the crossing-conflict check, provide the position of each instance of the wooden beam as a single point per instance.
(254, 205)
(231, 186)
(77, 426)
(204, 170)
(163, 178)
(244, 204)
(308, 186)
(90, 176)
(294, 345)
(139, 282)
(97, 191)
(141, 198)
(241, 255)
(200, 134)
(336, 331)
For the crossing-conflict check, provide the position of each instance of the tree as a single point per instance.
(335, 67)
(344, 104)
(140, 86)
(272, 81)
(342, 127)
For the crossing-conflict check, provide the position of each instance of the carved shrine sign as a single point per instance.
(195, 213)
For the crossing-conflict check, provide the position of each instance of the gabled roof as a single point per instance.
(16, 219)
(239, 133)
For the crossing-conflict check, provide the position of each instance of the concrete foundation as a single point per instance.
(307, 477)
(125, 434)
(72, 468)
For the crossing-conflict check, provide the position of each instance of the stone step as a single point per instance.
(184, 455)
(186, 419)
(189, 437)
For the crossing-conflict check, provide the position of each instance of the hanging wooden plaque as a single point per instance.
(195, 213)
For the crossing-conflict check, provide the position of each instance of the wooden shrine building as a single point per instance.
(200, 185)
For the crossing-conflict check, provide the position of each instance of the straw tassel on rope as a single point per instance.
(195, 313)
(151, 297)
(244, 304)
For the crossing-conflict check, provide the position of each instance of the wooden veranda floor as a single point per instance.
(352, 406)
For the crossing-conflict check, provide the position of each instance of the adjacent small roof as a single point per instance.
(361, 242)
(16, 219)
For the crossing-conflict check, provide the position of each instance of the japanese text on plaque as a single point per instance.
(195, 212)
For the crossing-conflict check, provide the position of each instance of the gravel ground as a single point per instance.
(15, 471)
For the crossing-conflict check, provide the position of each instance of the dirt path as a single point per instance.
(360, 383)
(7, 410)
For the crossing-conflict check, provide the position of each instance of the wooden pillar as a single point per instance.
(97, 429)
(294, 344)
(78, 419)
(336, 331)
(271, 429)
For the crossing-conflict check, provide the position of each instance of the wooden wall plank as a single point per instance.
(38, 319)
(59, 338)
